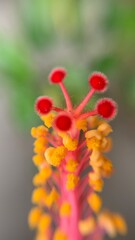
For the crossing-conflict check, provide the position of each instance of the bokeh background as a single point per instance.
(82, 36)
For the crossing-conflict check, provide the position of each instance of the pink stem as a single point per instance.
(56, 109)
(84, 102)
(88, 114)
(67, 97)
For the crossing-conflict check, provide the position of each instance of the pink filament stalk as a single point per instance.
(84, 102)
(66, 96)
(88, 114)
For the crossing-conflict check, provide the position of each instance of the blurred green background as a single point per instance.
(82, 36)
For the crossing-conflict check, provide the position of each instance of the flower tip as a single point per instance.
(107, 108)
(43, 105)
(57, 75)
(63, 122)
(98, 81)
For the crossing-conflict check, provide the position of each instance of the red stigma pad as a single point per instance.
(107, 108)
(43, 105)
(98, 82)
(63, 122)
(57, 75)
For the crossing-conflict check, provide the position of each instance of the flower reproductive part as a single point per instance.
(71, 149)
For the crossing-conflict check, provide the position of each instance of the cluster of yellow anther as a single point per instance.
(54, 156)
(112, 223)
(98, 142)
(82, 124)
(40, 144)
(48, 119)
(72, 181)
(71, 165)
(65, 209)
(87, 226)
(41, 177)
(69, 143)
(59, 235)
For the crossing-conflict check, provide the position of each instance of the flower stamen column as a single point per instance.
(69, 155)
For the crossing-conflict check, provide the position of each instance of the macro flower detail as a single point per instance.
(71, 157)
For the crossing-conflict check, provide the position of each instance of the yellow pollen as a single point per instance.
(72, 181)
(106, 145)
(38, 195)
(51, 198)
(105, 128)
(93, 143)
(59, 235)
(94, 121)
(120, 223)
(69, 143)
(42, 176)
(71, 165)
(82, 124)
(95, 202)
(87, 226)
(38, 159)
(97, 185)
(106, 220)
(93, 133)
(44, 223)
(54, 156)
(40, 131)
(65, 209)
(34, 217)
(48, 119)
(95, 155)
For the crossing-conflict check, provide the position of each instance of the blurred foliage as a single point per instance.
(88, 34)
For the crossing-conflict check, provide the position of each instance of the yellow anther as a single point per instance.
(120, 223)
(93, 143)
(65, 209)
(42, 236)
(106, 145)
(69, 143)
(94, 176)
(71, 165)
(72, 181)
(87, 226)
(44, 223)
(97, 185)
(95, 202)
(40, 145)
(107, 168)
(60, 235)
(106, 222)
(51, 198)
(98, 162)
(48, 119)
(93, 133)
(38, 159)
(105, 128)
(41, 141)
(42, 176)
(34, 217)
(95, 155)
(54, 156)
(94, 121)
(40, 131)
(82, 124)
(38, 195)
(112, 223)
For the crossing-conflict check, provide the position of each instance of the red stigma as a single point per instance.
(107, 108)
(98, 81)
(43, 105)
(63, 122)
(57, 75)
